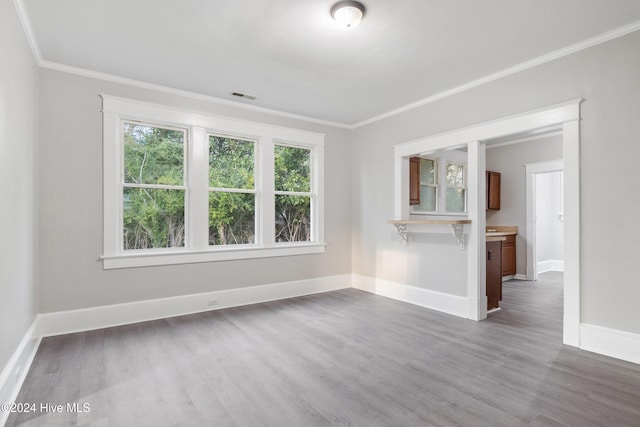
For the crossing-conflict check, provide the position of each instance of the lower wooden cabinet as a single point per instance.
(494, 276)
(509, 256)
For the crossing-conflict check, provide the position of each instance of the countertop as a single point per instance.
(499, 233)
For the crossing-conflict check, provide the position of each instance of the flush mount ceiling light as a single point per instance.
(348, 13)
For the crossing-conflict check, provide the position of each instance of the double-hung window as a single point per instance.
(428, 185)
(153, 187)
(182, 187)
(456, 187)
(293, 196)
(232, 193)
(442, 181)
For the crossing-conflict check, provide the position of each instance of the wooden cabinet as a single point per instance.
(494, 276)
(493, 190)
(414, 181)
(509, 256)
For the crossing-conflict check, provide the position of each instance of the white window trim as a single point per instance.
(116, 110)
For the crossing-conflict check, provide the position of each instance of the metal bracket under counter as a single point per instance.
(457, 226)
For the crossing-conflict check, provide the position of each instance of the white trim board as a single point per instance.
(15, 372)
(86, 319)
(439, 301)
(610, 342)
(550, 265)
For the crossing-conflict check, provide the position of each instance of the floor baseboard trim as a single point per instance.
(447, 303)
(15, 372)
(550, 265)
(610, 342)
(571, 331)
(65, 322)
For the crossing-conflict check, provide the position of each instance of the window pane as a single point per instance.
(455, 200)
(153, 155)
(455, 175)
(427, 199)
(292, 169)
(232, 218)
(153, 218)
(293, 218)
(427, 171)
(231, 163)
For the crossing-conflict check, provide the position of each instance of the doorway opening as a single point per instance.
(545, 218)
(564, 117)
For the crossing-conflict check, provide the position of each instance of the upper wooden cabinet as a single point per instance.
(414, 181)
(493, 190)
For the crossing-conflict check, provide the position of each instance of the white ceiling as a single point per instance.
(294, 58)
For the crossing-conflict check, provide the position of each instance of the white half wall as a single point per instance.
(438, 301)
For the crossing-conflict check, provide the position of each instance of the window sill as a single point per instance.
(149, 259)
(454, 214)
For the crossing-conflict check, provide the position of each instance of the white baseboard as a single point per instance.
(550, 265)
(439, 301)
(65, 322)
(571, 331)
(514, 277)
(15, 372)
(610, 342)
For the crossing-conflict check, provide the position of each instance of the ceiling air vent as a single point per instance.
(243, 95)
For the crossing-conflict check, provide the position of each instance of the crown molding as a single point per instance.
(576, 47)
(187, 94)
(585, 44)
(28, 29)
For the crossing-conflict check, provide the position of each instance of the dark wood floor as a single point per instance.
(339, 358)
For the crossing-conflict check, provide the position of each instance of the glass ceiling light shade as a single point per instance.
(348, 13)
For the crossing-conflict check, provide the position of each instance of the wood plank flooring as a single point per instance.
(344, 358)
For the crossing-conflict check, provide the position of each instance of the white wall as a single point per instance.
(606, 76)
(18, 171)
(71, 206)
(509, 160)
(549, 227)
(377, 249)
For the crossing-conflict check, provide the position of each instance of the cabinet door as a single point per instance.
(494, 276)
(509, 256)
(414, 181)
(493, 190)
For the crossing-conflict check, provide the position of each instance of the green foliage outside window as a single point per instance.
(293, 212)
(232, 218)
(455, 187)
(153, 218)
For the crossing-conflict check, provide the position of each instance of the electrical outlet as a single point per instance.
(213, 302)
